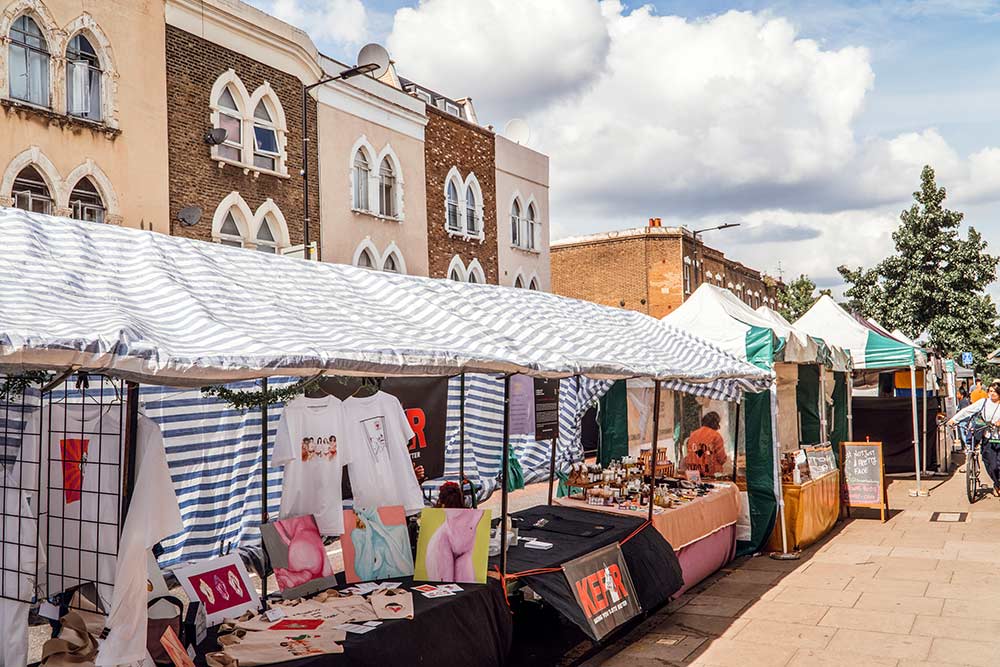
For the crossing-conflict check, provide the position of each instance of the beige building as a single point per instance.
(371, 157)
(82, 94)
(522, 182)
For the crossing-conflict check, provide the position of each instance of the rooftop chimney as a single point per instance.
(655, 222)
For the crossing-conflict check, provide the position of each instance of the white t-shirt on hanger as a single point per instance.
(310, 444)
(381, 468)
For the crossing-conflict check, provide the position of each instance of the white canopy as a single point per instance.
(181, 312)
(839, 358)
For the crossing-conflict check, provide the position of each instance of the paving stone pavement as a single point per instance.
(906, 593)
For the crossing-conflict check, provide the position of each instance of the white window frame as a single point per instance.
(7, 43)
(246, 105)
(454, 182)
(92, 72)
(361, 182)
(514, 214)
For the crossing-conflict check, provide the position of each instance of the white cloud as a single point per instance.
(342, 22)
(508, 55)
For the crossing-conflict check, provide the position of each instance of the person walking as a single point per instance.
(963, 399)
(978, 393)
(988, 410)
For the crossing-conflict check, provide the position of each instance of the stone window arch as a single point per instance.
(103, 79)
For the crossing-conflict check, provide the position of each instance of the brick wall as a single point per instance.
(451, 142)
(193, 65)
(606, 272)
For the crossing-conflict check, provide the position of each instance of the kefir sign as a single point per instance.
(864, 476)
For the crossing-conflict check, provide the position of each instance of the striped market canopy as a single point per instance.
(181, 312)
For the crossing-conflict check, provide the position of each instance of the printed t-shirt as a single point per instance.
(310, 444)
(381, 469)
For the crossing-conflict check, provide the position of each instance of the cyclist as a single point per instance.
(988, 410)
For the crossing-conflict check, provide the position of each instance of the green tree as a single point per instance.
(798, 296)
(935, 281)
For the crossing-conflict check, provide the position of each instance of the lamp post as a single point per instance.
(697, 248)
(374, 60)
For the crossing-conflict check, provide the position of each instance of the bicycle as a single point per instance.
(973, 432)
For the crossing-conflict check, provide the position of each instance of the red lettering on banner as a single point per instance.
(616, 574)
(418, 420)
(597, 589)
(583, 593)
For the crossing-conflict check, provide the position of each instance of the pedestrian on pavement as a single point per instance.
(963, 399)
(978, 393)
(988, 410)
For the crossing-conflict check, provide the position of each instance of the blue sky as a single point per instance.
(808, 121)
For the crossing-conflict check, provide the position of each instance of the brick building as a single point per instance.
(233, 67)
(460, 166)
(651, 270)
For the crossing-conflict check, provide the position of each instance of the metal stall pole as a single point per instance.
(552, 470)
(131, 438)
(461, 438)
(653, 445)
(923, 434)
(916, 431)
(263, 489)
(503, 476)
(850, 405)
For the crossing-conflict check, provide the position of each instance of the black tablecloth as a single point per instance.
(655, 570)
(472, 627)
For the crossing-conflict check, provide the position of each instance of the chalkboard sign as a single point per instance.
(820, 460)
(863, 482)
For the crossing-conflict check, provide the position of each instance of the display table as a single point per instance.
(702, 532)
(472, 627)
(811, 510)
(655, 570)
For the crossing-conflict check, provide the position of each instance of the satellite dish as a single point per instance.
(215, 136)
(517, 130)
(374, 54)
(189, 215)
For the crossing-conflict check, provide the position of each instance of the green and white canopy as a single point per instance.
(838, 359)
(869, 348)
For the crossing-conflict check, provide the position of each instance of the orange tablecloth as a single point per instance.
(690, 522)
(811, 510)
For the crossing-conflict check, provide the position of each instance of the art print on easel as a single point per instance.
(376, 545)
(453, 545)
(222, 585)
(295, 547)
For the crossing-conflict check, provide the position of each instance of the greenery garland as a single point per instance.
(242, 399)
(14, 385)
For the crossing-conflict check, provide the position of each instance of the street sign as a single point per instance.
(966, 358)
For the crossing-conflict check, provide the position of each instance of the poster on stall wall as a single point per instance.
(603, 588)
(222, 585)
(376, 545)
(425, 401)
(521, 408)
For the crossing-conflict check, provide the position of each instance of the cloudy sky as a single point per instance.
(807, 122)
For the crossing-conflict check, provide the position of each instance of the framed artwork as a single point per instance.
(376, 545)
(453, 545)
(298, 556)
(222, 585)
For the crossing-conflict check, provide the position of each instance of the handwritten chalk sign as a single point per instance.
(863, 481)
(820, 460)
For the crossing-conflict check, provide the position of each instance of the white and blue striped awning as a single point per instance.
(173, 311)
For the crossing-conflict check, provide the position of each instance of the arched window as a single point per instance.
(390, 264)
(362, 171)
(28, 66)
(472, 278)
(455, 275)
(267, 239)
(230, 120)
(515, 223)
(518, 283)
(386, 189)
(83, 79)
(266, 151)
(85, 201)
(365, 259)
(453, 222)
(229, 232)
(31, 193)
(474, 273)
(471, 216)
(533, 285)
(530, 228)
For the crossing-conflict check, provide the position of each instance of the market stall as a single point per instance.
(774, 431)
(93, 300)
(872, 349)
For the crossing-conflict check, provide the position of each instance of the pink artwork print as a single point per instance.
(449, 551)
(307, 559)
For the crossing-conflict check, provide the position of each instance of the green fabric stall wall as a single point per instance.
(840, 428)
(760, 471)
(807, 400)
(613, 421)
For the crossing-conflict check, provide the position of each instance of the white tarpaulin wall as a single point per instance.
(180, 312)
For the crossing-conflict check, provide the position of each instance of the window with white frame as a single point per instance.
(28, 62)
(518, 283)
(267, 236)
(85, 201)
(687, 278)
(83, 79)
(453, 221)
(471, 214)
(266, 151)
(31, 193)
(387, 189)
(455, 275)
(229, 232)
(230, 120)
(515, 223)
(390, 264)
(362, 172)
(533, 285)
(530, 228)
(366, 260)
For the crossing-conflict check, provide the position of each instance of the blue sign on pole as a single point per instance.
(966, 358)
